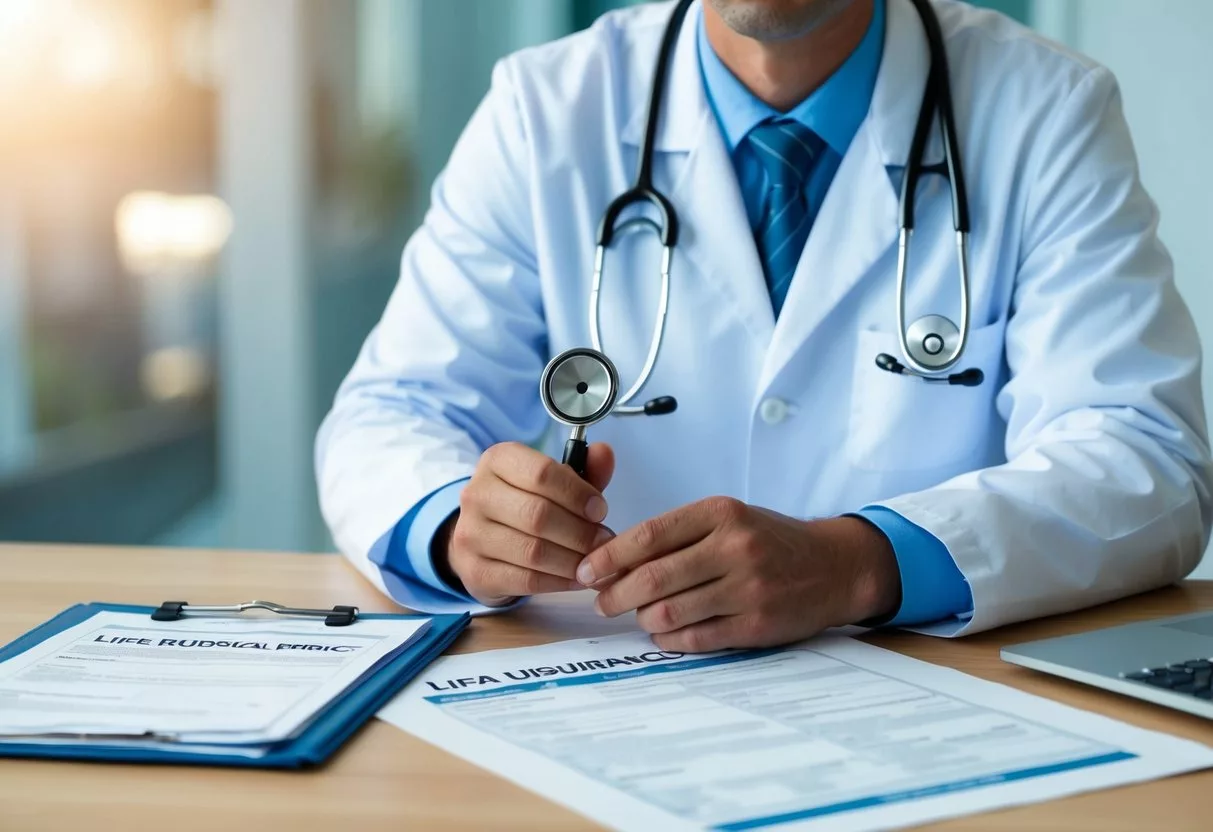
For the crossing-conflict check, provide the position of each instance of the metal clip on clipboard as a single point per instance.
(174, 610)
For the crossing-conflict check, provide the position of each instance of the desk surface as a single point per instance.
(385, 779)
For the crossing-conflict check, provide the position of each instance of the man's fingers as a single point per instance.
(600, 465)
(714, 634)
(496, 579)
(661, 578)
(537, 516)
(529, 470)
(657, 536)
(684, 609)
(498, 542)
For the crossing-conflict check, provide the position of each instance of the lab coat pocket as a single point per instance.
(899, 423)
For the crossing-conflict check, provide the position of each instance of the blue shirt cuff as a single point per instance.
(417, 529)
(403, 558)
(932, 586)
(407, 566)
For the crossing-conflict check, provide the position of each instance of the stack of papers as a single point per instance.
(194, 686)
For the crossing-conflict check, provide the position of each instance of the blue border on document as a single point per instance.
(930, 791)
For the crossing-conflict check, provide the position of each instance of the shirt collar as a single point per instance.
(833, 111)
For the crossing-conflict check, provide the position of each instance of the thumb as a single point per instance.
(599, 465)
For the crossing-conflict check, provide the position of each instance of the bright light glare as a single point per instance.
(159, 232)
(89, 56)
(76, 43)
(24, 27)
(16, 15)
(174, 373)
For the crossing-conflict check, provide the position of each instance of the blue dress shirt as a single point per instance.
(932, 586)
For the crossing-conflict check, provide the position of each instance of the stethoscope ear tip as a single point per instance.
(660, 406)
(972, 377)
(888, 363)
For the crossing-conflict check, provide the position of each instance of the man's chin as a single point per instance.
(773, 20)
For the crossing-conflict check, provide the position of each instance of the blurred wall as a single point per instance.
(1161, 56)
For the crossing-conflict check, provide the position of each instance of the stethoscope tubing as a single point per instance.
(936, 104)
(623, 408)
(962, 254)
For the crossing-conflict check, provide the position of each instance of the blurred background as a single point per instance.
(203, 202)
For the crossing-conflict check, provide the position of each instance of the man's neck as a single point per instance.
(783, 73)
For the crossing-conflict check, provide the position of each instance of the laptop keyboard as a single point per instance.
(1194, 677)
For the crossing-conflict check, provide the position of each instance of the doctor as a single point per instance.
(798, 485)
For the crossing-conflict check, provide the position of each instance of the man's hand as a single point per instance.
(719, 573)
(525, 521)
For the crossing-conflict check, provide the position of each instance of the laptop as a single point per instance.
(1168, 661)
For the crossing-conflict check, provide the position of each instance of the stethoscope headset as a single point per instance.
(580, 387)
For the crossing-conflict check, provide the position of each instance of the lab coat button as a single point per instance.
(773, 411)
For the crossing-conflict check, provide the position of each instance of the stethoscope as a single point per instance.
(580, 387)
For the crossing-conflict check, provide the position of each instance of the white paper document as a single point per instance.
(193, 681)
(830, 734)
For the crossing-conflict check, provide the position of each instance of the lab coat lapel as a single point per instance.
(715, 239)
(857, 223)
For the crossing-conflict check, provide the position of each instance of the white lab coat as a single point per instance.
(1078, 472)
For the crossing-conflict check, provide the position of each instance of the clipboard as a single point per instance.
(327, 731)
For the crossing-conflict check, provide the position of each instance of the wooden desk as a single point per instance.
(385, 779)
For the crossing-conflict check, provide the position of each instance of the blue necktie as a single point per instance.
(787, 151)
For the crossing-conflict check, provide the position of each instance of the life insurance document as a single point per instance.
(196, 680)
(829, 734)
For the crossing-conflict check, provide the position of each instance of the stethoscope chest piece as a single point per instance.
(932, 340)
(579, 388)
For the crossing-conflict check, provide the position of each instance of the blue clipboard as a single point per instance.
(335, 724)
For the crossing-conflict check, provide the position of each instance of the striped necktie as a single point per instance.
(787, 151)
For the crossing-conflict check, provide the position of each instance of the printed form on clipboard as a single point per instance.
(188, 685)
